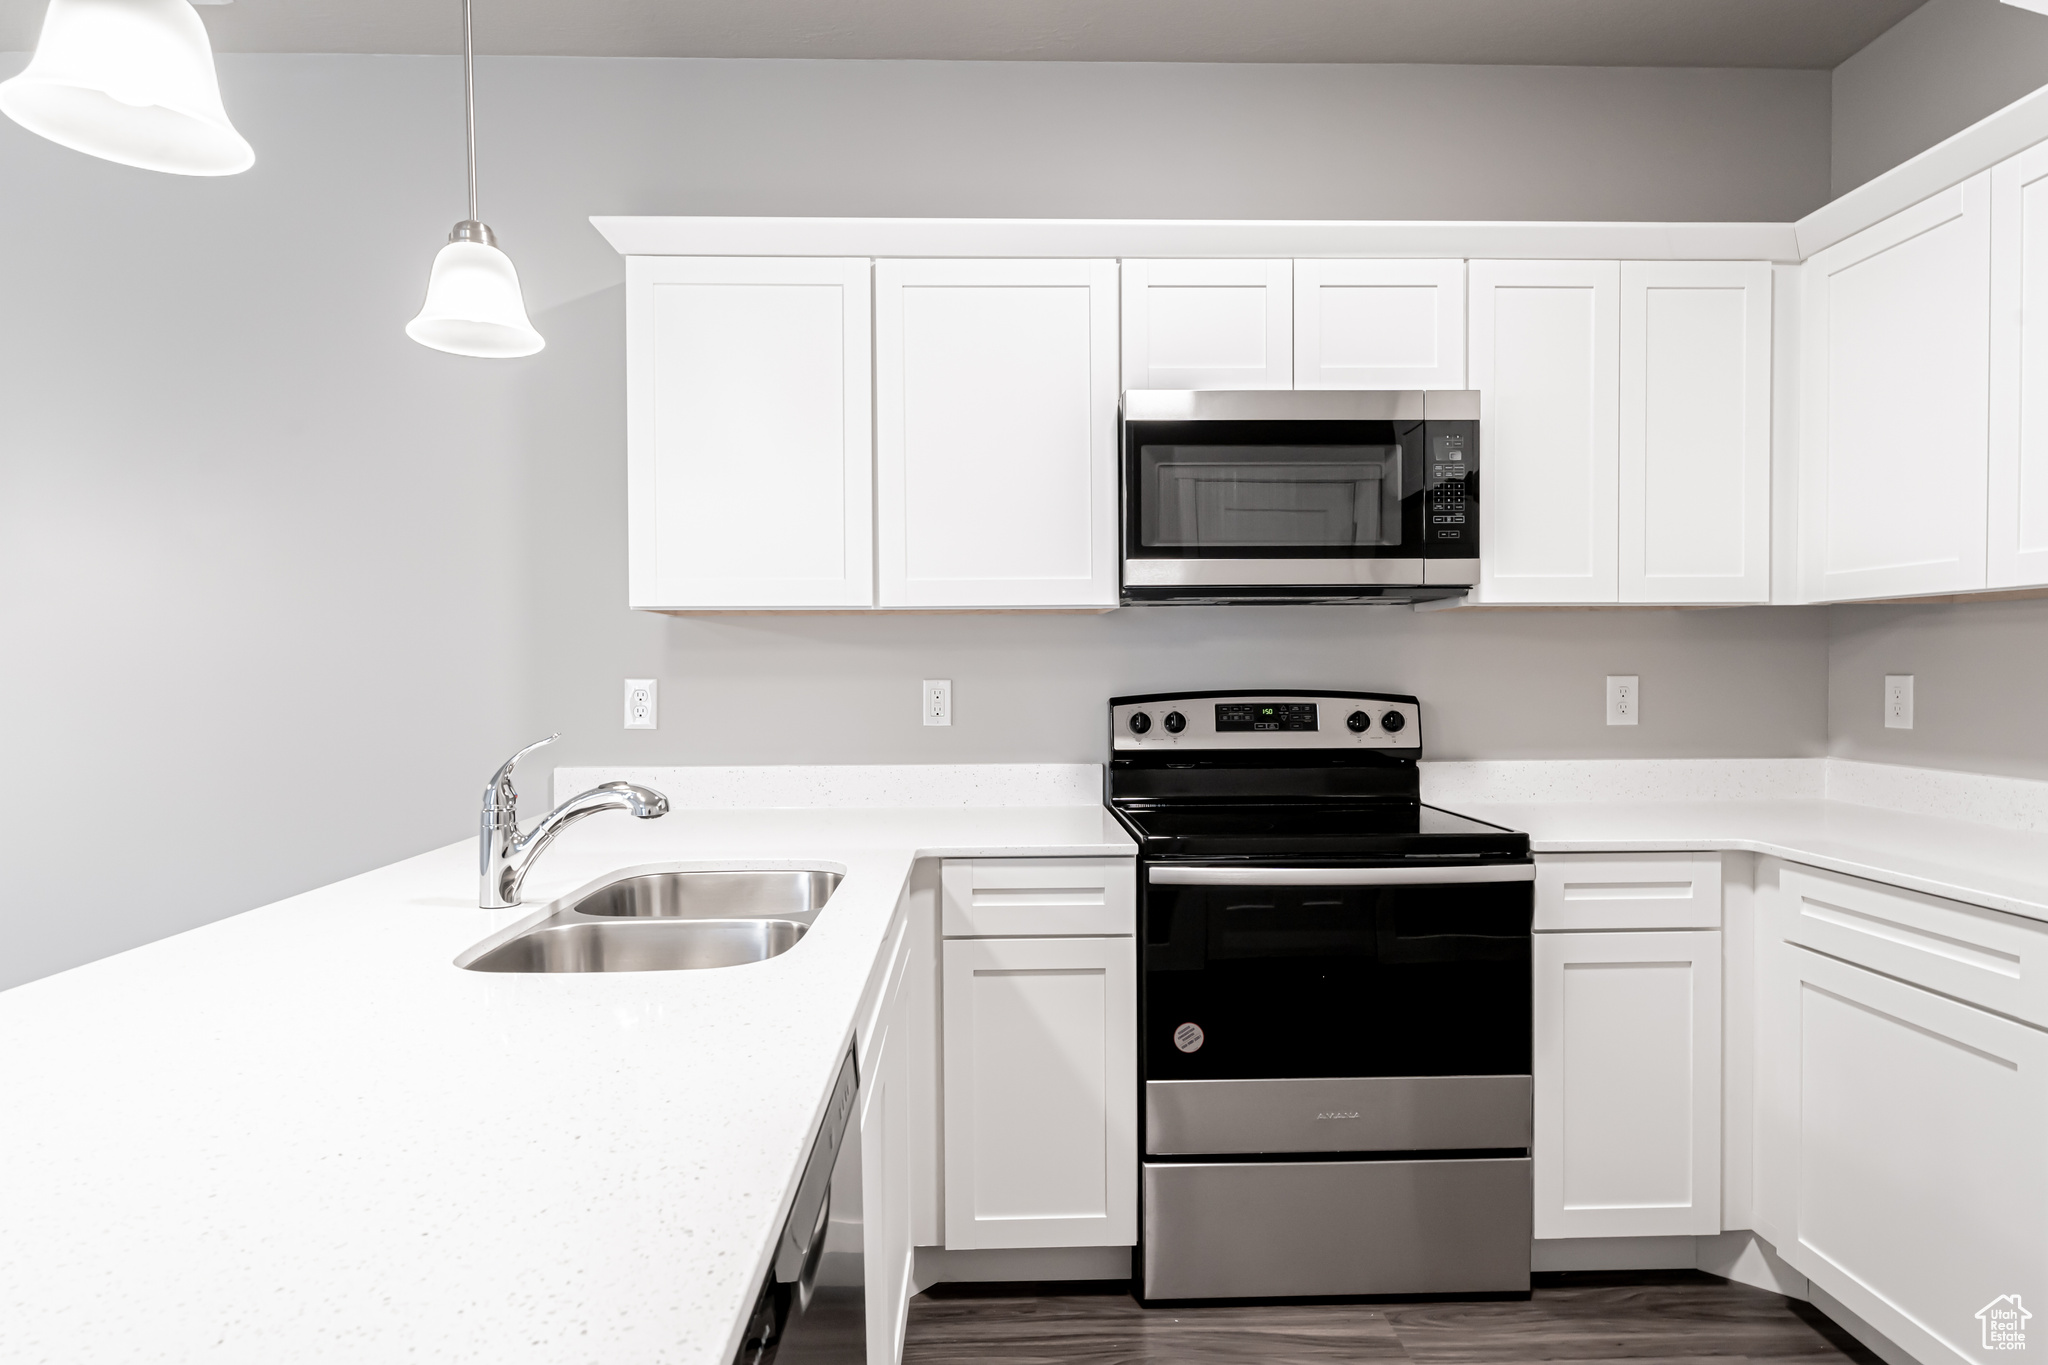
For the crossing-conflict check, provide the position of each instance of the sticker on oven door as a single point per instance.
(1188, 1037)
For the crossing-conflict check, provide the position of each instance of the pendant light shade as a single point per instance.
(131, 81)
(473, 305)
(473, 302)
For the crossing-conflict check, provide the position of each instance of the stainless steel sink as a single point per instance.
(626, 946)
(780, 892)
(666, 921)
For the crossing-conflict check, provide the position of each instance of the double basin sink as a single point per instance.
(667, 921)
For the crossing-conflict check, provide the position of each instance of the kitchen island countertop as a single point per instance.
(302, 1134)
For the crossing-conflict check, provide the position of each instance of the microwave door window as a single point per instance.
(1220, 497)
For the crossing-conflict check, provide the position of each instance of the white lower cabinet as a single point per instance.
(1038, 982)
(1900, 1132)
(1041, 1092)
(1628, 1083)
(886, 1143)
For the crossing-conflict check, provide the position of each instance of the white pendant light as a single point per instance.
(473, 305)
(131, 81)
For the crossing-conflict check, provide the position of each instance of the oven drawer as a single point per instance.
(1030, 897)
(1337, 1114)
(1298, 1228)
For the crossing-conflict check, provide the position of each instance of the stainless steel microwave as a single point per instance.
(1276, 495)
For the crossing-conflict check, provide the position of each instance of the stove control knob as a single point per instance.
(1140, 722)
(1175, 722)
(1392, 722)
(1358, 722)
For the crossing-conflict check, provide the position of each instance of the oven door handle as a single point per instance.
(1338, 876)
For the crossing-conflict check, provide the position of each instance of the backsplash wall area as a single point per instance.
(1980, 685)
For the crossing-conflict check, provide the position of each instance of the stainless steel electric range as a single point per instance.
(1334, 1012)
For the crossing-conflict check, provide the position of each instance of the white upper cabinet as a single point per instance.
(1895, 405)
(2018, 524)
(1379, 324)
(1695, 431)
(747, 437)
(996, 432)
(1545, 359)
(1208, 324)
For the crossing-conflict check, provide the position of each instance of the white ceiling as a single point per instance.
(1775, 33)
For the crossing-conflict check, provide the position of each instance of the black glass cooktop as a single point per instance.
(1276, 829)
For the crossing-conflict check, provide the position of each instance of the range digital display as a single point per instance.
(1265, 715)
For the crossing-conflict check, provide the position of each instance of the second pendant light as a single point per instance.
(474, 306)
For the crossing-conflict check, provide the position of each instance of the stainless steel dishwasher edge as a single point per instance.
(812, 1309)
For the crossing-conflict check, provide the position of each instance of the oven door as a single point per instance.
(1305, 1009)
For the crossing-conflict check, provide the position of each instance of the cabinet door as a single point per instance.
(1695, 431)
(1917, 1125)
(1545, 359)
(1893, 449)
(1379, 324)
(2018, 524)
(1041, 1092)
(1628, 1084)
(1208, 324)
(747, 435)
(885, 1158)
(996, 399)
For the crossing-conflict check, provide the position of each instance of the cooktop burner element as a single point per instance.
(1305, 774)
(1383, 829)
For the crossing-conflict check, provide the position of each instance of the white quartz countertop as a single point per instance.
(302, 1134)
(2000, 869)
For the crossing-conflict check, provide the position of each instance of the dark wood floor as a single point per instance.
(1675, 1318)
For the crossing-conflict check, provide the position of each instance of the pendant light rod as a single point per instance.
(469, 102)
(473, 305)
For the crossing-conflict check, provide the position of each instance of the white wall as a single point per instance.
(278, 587)
(1932, 74)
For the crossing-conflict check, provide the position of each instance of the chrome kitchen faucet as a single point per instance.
(504, 855)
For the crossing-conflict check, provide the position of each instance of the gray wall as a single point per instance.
(1933, 74)
(1980, 685)
(278, 587)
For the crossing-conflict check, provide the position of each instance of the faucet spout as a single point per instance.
(505, 855)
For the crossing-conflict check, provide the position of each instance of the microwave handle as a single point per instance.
(1338, 876)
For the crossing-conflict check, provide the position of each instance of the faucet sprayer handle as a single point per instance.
(504, 774)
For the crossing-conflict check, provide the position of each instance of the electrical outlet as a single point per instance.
(640, 704)
(938, 701)
(1624, 699)
(1898, 701)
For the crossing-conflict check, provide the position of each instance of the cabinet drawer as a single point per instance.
(1628, 891)
(1981, 956)
(1024, 897)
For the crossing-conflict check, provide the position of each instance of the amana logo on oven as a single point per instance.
(1351, 1114)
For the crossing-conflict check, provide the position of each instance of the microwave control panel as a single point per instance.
(1453, 473)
